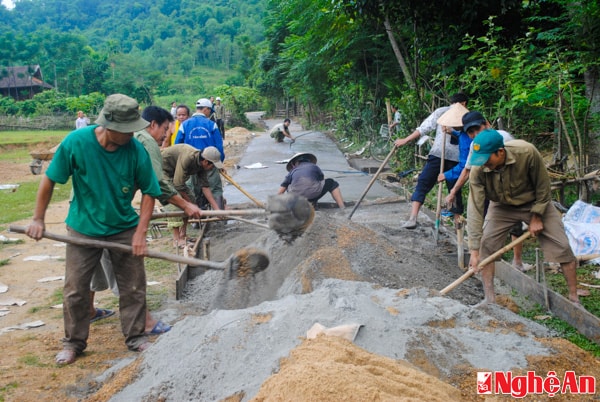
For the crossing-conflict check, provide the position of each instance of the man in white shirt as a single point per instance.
(82, 120)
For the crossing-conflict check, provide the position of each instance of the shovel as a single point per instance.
(385, 161)
(460, 229)
(438, 213)
(287, 213)
(486, 261)
(243, 262)
(230, 180)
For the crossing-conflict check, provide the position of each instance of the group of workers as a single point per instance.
(107, 167)
(110, 161)
(508, 186)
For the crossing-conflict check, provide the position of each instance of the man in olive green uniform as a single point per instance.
(514, 178)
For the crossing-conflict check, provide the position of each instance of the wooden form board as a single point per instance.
(585, 322)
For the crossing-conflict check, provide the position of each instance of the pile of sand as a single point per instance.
(238, 130)
(330, 368)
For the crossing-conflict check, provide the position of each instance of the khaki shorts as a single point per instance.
(501, 218)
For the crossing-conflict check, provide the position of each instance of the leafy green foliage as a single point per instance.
(562, 328)
(238, 100)
(127, 47)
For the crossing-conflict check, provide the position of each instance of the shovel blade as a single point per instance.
(289, 213)
(247, 262)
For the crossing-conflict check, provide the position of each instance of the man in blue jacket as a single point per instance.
(201, 132)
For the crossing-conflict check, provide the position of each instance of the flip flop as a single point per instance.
(65, 356)
(159, 328)
(101, 313)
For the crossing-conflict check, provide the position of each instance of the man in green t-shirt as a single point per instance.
(106, 166)
(150, 138)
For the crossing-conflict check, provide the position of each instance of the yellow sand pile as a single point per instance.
(333, 369)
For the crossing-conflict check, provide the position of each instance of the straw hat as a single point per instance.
(453, 116)
(307, 155)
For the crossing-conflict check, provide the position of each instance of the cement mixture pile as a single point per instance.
(347, 311)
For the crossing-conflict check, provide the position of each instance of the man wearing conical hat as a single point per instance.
(429, 175)
(305, 178)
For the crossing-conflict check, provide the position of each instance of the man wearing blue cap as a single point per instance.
(514, 178)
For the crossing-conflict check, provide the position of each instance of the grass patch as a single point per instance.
(18, 241)
(7, 388)
(156, 296)
(56, 297)
(4, 262)
(31, 360)
(110, 302)
(16, 145)
(158, 268)
(11, 139)
(20, 204)
(585, 274)
(562, 328)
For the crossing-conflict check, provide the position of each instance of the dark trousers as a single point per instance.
(131, 279)
(428, 179)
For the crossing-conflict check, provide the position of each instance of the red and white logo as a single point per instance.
(484, 383)
(500, 382)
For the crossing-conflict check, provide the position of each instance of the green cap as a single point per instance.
(122, 114)
(485, 143)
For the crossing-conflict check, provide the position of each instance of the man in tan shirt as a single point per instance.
(514, 178)
(182, 161)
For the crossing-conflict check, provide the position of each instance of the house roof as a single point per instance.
(22, 77)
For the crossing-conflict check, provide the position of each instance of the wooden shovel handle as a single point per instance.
(125, 248)
(587, 257)
(385, 161)
(230, 180)
(220, 212)
(486, 261)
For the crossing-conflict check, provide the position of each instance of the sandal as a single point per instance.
(159, 328)
(101, 313)
(65, 356)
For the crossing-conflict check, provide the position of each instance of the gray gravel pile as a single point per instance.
(339, 272)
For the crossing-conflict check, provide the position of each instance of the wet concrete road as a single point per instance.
(264, 150)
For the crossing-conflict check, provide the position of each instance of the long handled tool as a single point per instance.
(243, 262)
(230, 180)
(438, 212)
(460, 228)
(237, 218)
(586, 257)
(486, 261)
(385, 161)
(287, 213)
(215, 213)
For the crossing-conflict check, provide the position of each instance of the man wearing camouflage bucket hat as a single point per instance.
(107, 166)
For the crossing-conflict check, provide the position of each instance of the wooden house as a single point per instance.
(22, 82)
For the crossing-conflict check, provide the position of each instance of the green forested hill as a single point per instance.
(163, 46)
